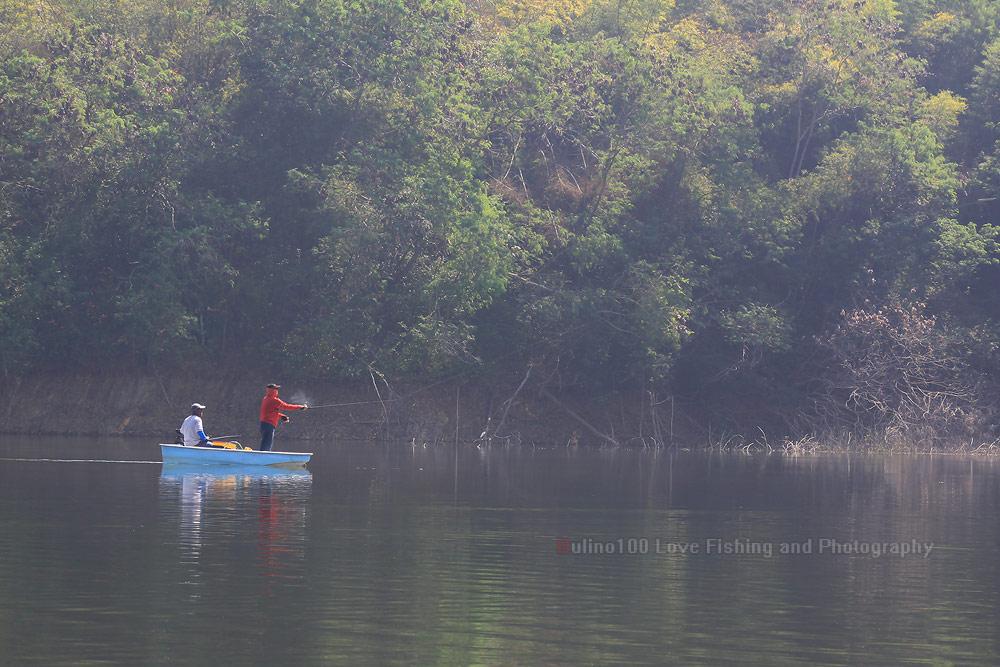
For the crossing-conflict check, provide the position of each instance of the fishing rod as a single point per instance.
(339, 405)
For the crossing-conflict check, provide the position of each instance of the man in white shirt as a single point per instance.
(193, 430)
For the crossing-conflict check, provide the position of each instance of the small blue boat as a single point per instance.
(240, 457)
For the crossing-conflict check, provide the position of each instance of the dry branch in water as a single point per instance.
(897, 375)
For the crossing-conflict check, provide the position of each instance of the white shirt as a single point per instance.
(190, 428)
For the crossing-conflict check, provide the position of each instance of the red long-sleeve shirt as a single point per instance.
(271, 405)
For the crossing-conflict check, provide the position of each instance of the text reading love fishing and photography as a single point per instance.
(741, 547)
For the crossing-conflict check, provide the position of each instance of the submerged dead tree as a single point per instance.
(897, 377)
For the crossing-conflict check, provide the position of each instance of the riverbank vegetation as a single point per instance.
(777, 214)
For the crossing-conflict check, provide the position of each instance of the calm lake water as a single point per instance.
(383, 555)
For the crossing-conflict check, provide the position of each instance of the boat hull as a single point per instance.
(181, 471)
(239, 457)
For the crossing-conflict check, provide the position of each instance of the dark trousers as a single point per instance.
(266, 436)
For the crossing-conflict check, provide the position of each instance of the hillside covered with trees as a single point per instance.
(779, 211)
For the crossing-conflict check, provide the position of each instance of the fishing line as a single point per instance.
(451, 378)
(75, 460)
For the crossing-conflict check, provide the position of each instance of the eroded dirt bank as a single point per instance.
(153, 404)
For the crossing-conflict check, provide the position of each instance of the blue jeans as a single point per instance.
(266, 436)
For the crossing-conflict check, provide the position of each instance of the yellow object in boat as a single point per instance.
(226, 445)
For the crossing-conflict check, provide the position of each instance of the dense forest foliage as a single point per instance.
(781, 210)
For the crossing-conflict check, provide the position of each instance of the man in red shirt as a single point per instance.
(270, 414)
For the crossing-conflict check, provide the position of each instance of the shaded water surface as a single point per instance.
(421, 556)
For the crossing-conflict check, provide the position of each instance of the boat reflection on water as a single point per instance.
(218, 509)
(175, 471)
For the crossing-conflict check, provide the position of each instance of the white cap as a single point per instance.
(197, 406)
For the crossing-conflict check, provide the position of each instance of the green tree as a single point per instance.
(93, 157)
(825, 68)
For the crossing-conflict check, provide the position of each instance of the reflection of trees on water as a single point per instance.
(464, 538)
(662, 478)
